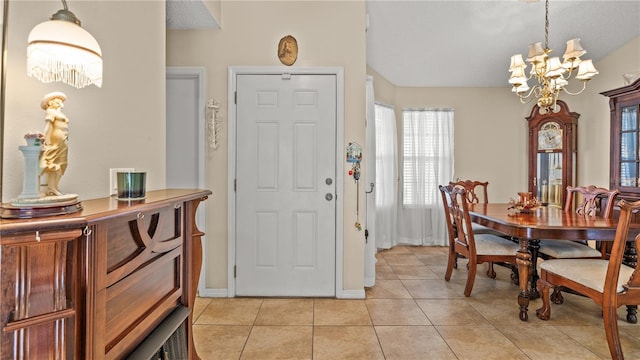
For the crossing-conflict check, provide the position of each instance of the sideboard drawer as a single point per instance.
(39, 295)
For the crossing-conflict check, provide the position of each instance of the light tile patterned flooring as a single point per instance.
(410, 313)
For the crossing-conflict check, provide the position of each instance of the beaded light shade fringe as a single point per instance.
(61, 51)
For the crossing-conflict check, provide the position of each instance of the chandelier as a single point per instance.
(60, 50)
(551, 74)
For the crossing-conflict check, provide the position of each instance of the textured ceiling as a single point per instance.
(189, 14)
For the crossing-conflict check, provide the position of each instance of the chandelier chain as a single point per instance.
(546, 25)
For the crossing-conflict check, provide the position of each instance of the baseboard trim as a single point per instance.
(211, 293)
(351, 294)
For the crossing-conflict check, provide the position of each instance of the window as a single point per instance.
(427, 154)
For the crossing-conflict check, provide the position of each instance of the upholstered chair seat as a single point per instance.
(488, 244)
(588, 272)
(568, 249)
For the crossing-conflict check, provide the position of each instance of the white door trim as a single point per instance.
(199, 74)
(231, 211)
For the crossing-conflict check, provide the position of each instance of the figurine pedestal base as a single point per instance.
(41, 207)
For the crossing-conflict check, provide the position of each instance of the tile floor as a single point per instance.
(410, 313)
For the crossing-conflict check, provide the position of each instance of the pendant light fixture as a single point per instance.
(60, 50)
(551, 74)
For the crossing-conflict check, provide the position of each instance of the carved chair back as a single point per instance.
(591, 200)
(476, 191)
(456, 204)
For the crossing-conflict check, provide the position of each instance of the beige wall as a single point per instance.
(491, 135)
(383, 89)
(487, 144)
(121, 124)
(594, 123)
(249, 37)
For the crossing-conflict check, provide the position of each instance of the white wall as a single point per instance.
(249, 36)
(121, 124)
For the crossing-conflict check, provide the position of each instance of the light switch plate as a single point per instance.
(113, 179)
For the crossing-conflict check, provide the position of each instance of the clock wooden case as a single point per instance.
(553, 144)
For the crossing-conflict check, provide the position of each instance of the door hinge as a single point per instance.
(234, 271)
(235, 185)
(235, 98)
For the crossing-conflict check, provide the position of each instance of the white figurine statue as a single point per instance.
(53, 160)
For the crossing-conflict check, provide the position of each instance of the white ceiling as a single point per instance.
(470, 43)
(429, 43)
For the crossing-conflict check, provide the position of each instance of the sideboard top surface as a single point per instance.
(100, 209)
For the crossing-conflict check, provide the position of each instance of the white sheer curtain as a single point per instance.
(426, 163)
(386, 187)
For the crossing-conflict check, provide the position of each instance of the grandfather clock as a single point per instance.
(553, 143)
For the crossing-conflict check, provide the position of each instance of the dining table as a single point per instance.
(529, 227)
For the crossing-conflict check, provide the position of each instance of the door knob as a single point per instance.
(329, 196)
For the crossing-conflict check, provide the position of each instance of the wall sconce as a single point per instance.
(214, 119)
(60, 50)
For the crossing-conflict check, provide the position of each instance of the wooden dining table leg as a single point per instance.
(534, 247)
(523, 260)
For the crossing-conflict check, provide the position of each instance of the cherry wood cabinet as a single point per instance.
(95, 284)
(553, 148)
(624, 164)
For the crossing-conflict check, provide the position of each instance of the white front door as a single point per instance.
(285, 185)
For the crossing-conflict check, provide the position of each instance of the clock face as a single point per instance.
(550, 137)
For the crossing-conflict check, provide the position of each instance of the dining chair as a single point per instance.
(608, 282)
(477, 193)
(591, 198)
(477, 248)
(586, 201)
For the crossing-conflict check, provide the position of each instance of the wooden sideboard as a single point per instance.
(95, 284)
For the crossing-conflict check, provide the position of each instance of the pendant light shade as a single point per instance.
(60, 50)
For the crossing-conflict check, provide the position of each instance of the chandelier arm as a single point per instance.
(584, 86)
(525, 99)
(569, 73)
